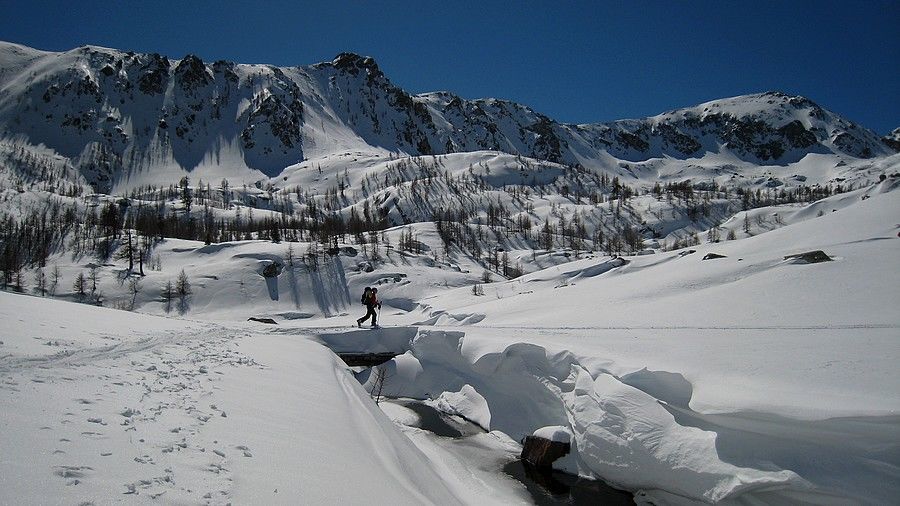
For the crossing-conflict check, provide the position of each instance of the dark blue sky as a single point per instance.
(574, 61)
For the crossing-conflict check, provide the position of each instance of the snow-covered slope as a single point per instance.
(145, 408)
(122, 119)
(743, 378)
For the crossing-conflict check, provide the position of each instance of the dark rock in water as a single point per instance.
(710, 256)
(810, 257)
(272, 270)
(262, 320)
(541, 452)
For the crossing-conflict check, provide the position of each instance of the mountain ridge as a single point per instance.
(113, 114)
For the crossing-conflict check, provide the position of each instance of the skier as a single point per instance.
(370, 299)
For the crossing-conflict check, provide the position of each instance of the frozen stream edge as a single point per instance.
(623, 435)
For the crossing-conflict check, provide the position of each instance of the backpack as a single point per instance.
(365, 295)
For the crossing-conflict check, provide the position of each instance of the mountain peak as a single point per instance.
(353, 62)
(797, 101)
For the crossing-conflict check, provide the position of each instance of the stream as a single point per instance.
(544, 488)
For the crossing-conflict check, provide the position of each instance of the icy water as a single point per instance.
(545, 488)
(436, 422)
(556, 487)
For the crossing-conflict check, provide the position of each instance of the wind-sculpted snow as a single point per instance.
(621, 434)
(627, 437)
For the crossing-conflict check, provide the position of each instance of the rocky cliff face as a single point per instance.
(114, 115)
(893, 139)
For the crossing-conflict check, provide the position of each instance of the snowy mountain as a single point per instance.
(632, 287)
(121, 118)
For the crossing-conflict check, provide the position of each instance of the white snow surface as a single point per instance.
(748, 378)
(555, 433)
(467, 403)
(188, 412)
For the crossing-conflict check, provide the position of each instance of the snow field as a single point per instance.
(735, 379)
(195, 413)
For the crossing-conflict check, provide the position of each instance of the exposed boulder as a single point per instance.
(272, 270)
(349, 251)
(712, 256)
(262, 320)
(809, 257)
(546, 445)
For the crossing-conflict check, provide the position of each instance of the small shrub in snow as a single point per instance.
(134, 288)
(183, 285)
(40, 281)
(289, 255)
(55, 275)
(79, 285)
(168, 293)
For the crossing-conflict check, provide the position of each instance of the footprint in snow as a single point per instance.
(216, 468)
(72, 471)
